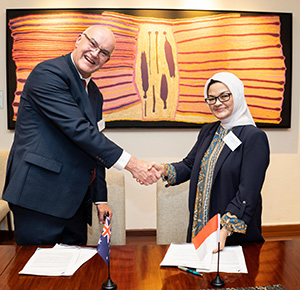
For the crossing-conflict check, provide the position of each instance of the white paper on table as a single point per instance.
(185, 255)
(231, 259)
(85, 254)
(57, 261)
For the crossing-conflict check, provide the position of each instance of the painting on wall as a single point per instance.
(162, 59)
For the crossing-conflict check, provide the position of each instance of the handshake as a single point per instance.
(144, 172)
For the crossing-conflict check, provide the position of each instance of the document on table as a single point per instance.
(184, 255)
(232, 259)
(61, 260)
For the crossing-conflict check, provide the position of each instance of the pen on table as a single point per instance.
(190, 271)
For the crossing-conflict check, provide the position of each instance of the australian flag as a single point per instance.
(103, 247)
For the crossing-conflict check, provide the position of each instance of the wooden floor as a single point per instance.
(7, 238)
(140, 240)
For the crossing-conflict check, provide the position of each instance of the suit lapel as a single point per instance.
(205, 144)
(225, 152)
(94, 98)
(208, 138)
(81, 97)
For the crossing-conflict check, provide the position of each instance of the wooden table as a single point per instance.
(137, 267)
(7, 253)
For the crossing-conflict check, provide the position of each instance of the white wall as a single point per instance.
(281, 198)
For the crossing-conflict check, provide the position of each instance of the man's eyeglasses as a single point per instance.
(224, 97)
(95, 47)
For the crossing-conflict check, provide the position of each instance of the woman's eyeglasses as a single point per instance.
(224, 97)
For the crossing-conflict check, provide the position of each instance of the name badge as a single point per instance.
(232, 141)
(101, 125)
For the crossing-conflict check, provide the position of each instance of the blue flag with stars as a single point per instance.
(103, 247)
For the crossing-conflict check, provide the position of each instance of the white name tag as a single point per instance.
(232, 141)
(101, 125)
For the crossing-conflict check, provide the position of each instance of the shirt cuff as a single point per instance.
(233, 224)
(99, 202)
(122, 161)
(171, 174)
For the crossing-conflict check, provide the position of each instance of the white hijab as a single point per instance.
(240, 114)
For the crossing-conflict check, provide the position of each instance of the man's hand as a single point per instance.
(223, 237)
(103, 208)
(142, 171)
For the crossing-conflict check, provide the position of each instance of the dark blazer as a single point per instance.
(237, 179)
(57, 143)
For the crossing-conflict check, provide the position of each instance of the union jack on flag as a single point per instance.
(103, 247)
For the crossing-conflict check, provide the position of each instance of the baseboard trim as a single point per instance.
(141, 233)
(283, 231)
(268, 232)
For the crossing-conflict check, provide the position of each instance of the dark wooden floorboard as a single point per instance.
(7, 238)
(138, 240)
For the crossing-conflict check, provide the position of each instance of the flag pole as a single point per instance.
(109, 284)
(218, 281)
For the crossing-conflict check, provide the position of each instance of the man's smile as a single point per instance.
(89, 59)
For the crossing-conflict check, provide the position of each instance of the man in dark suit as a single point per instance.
(58, 147)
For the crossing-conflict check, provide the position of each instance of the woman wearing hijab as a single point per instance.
(226, 167)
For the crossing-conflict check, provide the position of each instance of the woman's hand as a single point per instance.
(223, 237)
(159, 167)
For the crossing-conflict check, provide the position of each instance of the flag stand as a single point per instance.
(218, 281)
(109, 284)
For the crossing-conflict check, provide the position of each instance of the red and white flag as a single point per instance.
(208, 238)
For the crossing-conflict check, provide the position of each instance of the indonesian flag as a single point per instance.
(208, 238)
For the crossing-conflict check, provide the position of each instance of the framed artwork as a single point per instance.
(162, 59)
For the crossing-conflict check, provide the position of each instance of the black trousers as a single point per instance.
(35, 228)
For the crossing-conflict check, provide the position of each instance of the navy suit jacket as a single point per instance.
(57, 143)
(237, 180)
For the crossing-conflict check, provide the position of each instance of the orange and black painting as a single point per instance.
(156, 75)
